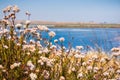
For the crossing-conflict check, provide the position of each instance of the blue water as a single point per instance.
(103, 38)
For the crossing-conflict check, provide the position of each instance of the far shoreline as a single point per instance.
(82, 25)
(76, 24)
(70, 24)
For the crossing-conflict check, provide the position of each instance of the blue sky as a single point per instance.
(67, 10)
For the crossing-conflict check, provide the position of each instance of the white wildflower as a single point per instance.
(55, 41)
(105, 73)
(42, 28)
(45, 50)
(26, 72)
(32, 41)
(96, 69)
(89, 61)
(70, 54)
(118, 71)
(84, 64)
(102, 60)
(15, 65)
(37, 70)
(3, 70)
(80, 75)
(24, 42)
(82, 56)
(116, 54)
(29, 47)
(62, 78)
(33, 76)
(27, 13)
(53, 47)
(18, 44)
(51, 34)
(44, 59)
(46, 28)
(18, 25)
(15, 33)
(41, 62)
(27, 30)
(79, 47)
(77, 51)
(7, 9)
(18, 64)
(112, 79)
(73, 69)
(89, 68)
(30, 64)
(38, 44)
(12, 66)
(15, 8)
(107, 59)
(111, 70)
(5, 46)
(9, 37)
(4, 10)
(59, 53)
(27, 22)
(33, 31)
(115, 49)
(4, 31)
(105, 79)
(39, 52)
(94, 57)
(79, 56)
(64, 47)
(49, 63)
(28, 53)
(62, 39)
(1, 67)
(46, 74)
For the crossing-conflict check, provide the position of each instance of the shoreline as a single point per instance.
(71, 25)
(89, 26)
(81, 26)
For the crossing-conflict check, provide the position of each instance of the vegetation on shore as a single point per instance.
(88, 26)
(70, 24)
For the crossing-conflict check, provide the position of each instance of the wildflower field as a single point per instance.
(26, 55)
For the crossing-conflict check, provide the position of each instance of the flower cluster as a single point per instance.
(26, 55)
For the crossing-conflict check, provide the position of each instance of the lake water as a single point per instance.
(105, 38)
